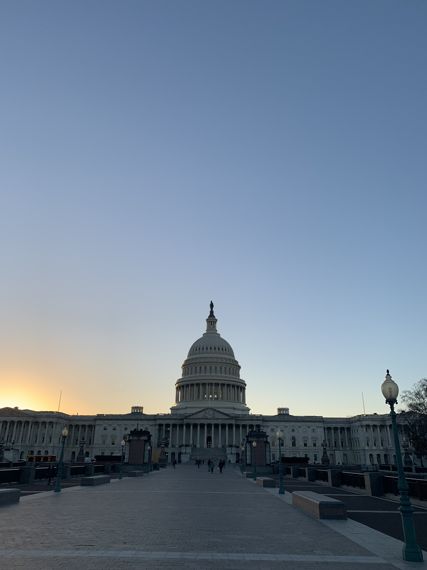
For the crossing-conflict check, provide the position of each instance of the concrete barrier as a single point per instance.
(134, 473)
(9, 496)
(319, 506)
(265, 482)
(95, 480)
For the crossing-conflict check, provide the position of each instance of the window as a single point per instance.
(294, 443)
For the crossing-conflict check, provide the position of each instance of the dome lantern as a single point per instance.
(211, 320)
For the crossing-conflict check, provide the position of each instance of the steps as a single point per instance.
(206, 453)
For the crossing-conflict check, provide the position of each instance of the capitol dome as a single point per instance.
(209, 343)
(210, 375)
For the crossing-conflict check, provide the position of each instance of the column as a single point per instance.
(29, 432)
(198, 435)
(234, 434)
(15, 429)
(206, 435)
(219, 435)
(191, 435)
(226, 434)
(183, 434)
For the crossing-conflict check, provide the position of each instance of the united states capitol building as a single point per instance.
(210, 418)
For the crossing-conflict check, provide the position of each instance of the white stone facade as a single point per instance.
(210, 416)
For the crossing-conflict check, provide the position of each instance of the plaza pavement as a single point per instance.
(184, 518)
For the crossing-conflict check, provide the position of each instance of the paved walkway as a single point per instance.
(183, 518)
(379, 513)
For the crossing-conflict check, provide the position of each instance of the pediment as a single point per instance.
(208, 414)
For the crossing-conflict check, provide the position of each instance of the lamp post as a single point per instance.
(325, 458)
(281, 477)
(64, 435)
(254, 457)
(122, 458)
(242, 458)
(149, 457)
(411, 551)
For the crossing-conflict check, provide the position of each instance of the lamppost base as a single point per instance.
(412, 553)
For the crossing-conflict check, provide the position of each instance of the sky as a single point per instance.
(268, 155)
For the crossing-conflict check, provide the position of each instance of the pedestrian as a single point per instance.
(212, 466)
(50, 474)
(221, 465)
(174, 463)
(209, 465)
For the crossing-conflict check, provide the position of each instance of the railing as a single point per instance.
(390, 484)
(353, 479)
(418, 488)
(76, 470)
(12, 475)
(43, 472)
(9, 475)
(322, 475)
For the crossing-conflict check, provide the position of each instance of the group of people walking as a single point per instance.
(213, 464)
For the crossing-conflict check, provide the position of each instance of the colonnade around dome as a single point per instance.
(210, 392)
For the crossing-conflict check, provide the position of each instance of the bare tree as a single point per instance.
(416, 417)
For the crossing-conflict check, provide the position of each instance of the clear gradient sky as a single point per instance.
(269, 155)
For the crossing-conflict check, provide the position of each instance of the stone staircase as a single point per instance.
(206, 453)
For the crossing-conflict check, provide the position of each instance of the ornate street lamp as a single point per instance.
(64, 435)
(149, 457)
(254, 457)
(281, 476)
(122, 458)
(411, 551)
(325, 458)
